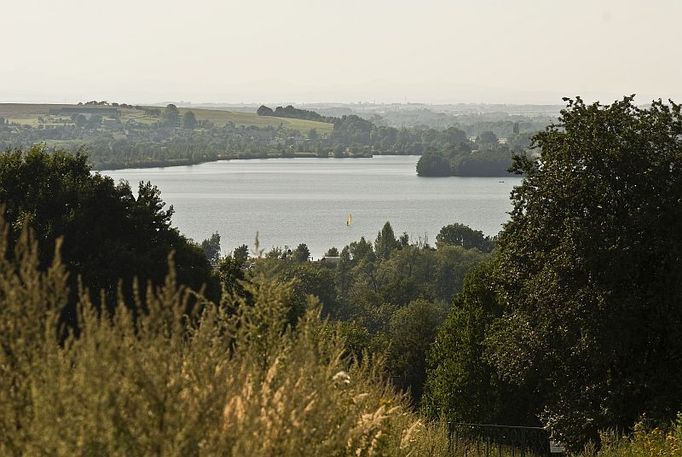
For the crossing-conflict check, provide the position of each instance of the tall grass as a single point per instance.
(644, 442)
(234, 380)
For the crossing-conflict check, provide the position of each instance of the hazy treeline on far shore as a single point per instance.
(120, 135)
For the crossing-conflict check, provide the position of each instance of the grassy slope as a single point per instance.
(25, 113)
(240, 118)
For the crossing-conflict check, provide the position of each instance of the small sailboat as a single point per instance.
(349, 220)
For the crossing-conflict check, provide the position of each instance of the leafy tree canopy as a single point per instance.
(109, 232)
(591, 269)
(461, 235)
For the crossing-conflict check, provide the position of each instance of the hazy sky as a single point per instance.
(435, 51)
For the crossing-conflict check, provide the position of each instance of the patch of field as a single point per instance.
(25, 110)
(24, 113)
(221, 117)
(36, 114)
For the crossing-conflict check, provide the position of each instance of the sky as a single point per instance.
(257, 51)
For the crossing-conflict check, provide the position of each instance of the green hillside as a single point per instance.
(39, 114)
(241, 118)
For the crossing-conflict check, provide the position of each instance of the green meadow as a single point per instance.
(37, 114)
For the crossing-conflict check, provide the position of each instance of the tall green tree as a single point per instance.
(171, 115)
(461, 385)
(386, 242)
(411, 332)
(461, 235)
(189, 120)
(591, 269)
(301, 253)
(211, 248)
(109, 232)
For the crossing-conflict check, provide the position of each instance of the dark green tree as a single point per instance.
(109, 233)
(232, 271)
(461, 385)
(171, 115)
(433, 164)
(591, 269)
(411, 331)
(264, 111)
(385, 242)
(301, 253)
(461, 235)
(211, 248)
(189, 120)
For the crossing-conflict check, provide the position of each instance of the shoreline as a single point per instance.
(189, 162)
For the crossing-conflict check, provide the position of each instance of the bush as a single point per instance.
(235, 380)
(644, 442)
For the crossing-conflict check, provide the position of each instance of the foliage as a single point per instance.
(110, 235)
(390, 296)
(189, 120)
(301, 253)
(290, 111)
(411, 330)
(589, 270)
(461, 386)
(385, 242)
(487, 137)
(221, 383)
(489, 159)
(171, 116)
(433, 165)
(211, 248)
(644, 442)
(462, 235)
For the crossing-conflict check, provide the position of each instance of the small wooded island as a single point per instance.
(486, 155)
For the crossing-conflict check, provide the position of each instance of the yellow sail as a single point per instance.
(349, 220)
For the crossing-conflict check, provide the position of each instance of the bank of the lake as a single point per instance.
(307, 200)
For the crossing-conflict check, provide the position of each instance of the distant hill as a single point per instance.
(37, 114)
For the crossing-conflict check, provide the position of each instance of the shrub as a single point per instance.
(234, 380)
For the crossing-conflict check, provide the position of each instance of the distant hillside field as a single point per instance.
(31, 114)
(219, 117)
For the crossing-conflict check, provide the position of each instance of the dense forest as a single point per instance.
(569, 319)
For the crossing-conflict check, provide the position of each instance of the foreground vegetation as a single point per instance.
(570, 319)
(118, 135)
(233, 380)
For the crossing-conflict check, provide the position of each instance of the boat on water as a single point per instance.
(349, 220)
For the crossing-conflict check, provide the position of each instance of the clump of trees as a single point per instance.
(154, 380)
(291, 112)
(480, 158)
(390, 296)
(581, 310)
(109, 234)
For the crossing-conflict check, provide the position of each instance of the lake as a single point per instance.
(306, 200)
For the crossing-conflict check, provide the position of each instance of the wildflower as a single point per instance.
(341, 378)
(360, 397)
(409, 436)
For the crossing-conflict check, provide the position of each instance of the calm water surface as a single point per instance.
(292, 201)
